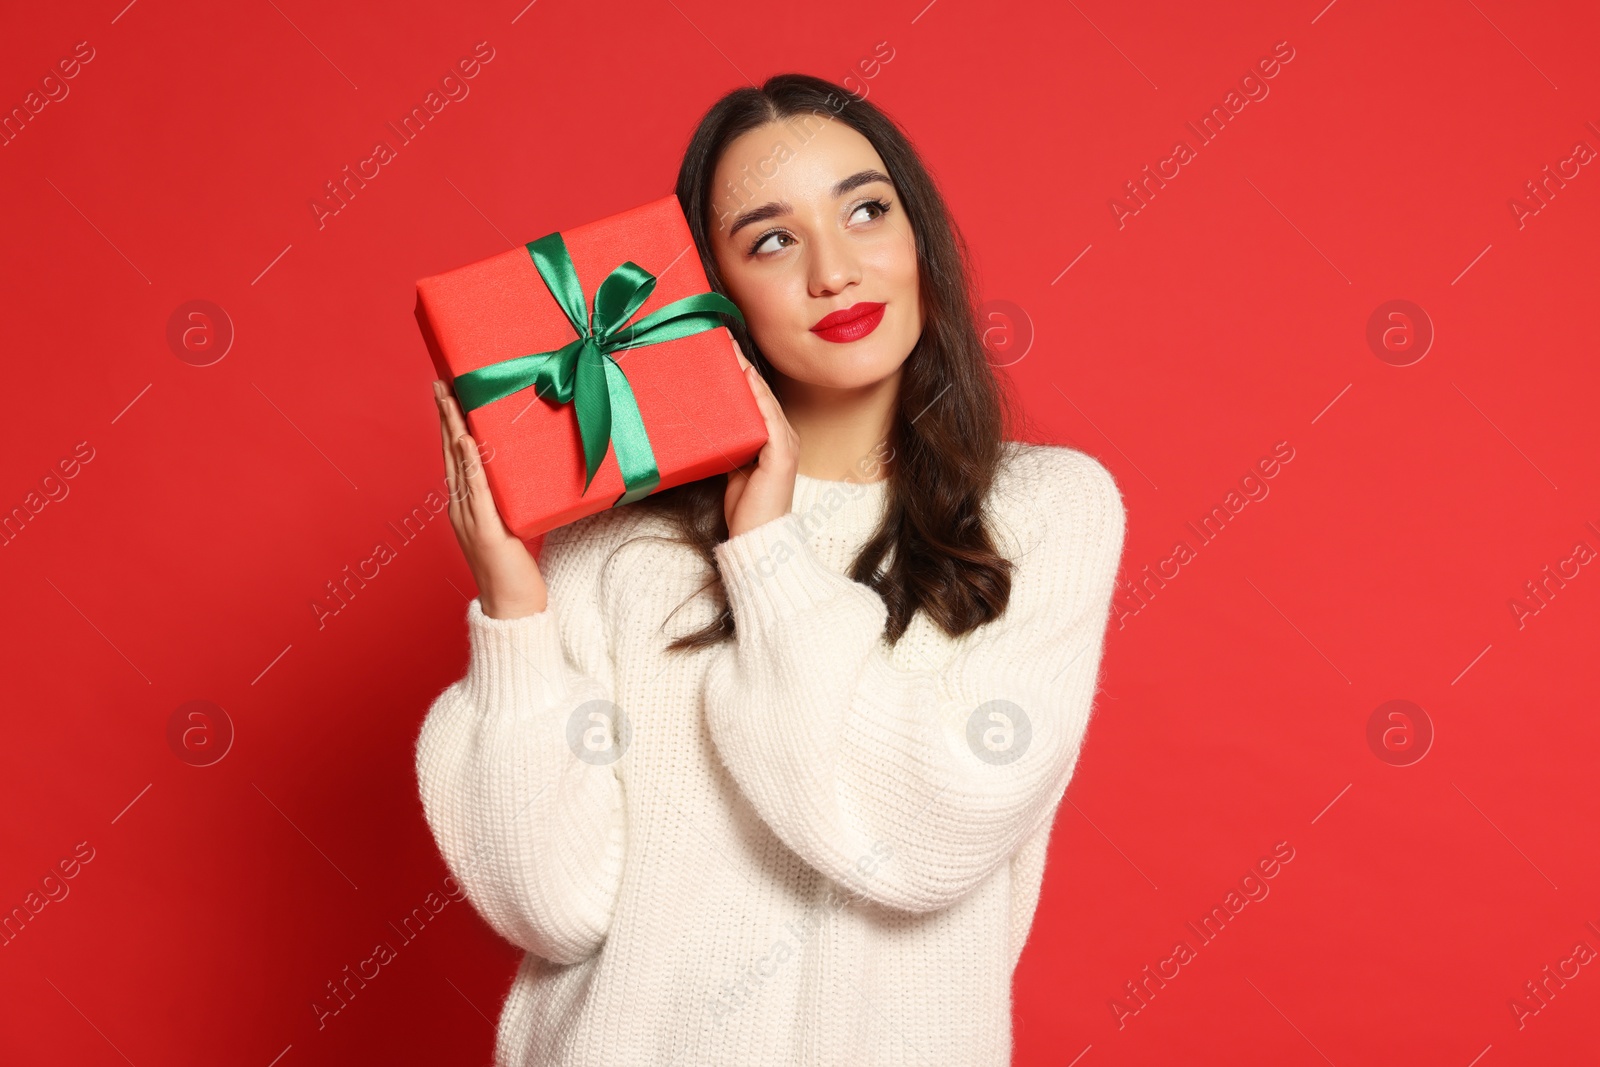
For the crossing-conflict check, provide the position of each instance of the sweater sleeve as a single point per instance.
(515, 763)
(910, 787)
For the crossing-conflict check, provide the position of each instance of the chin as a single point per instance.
(857, 365)
(850, 370)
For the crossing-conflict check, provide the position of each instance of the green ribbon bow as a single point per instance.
(584, 371)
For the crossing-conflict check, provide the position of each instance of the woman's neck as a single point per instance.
(843, 432)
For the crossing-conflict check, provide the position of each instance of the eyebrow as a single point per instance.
(783, 207)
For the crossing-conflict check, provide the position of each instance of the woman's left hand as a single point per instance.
(764, 490)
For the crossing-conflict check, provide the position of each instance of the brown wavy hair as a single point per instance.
(947, 438)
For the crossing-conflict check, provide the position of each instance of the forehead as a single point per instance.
(796, 159)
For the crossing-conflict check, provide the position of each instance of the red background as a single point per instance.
(1230, 313)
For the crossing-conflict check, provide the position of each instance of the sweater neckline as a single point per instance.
(841, 506)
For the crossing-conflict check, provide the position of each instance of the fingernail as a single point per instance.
(438, 389)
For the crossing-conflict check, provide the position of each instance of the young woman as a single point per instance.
(761, 769)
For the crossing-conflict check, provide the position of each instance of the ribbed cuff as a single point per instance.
(773, 572)
(514, 659)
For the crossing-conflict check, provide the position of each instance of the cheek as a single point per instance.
(898, 269)
(896, 263)
(769, 310)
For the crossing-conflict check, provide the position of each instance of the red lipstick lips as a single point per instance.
(851, 323)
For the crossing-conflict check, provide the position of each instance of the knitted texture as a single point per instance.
(800, 848)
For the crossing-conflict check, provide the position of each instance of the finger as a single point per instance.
(739, 352)
(451, 471)
(737, 480)
(766, 402)
(471, 463)
(456, 422)
(454, 416)
(763, 386)
(480, 502)
(467, 489)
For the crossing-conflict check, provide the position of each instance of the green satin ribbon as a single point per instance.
(584, 372)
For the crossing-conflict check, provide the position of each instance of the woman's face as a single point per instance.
(801, 230)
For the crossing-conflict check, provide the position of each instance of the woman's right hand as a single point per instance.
(509, 583)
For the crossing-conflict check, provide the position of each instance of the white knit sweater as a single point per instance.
(802, 847)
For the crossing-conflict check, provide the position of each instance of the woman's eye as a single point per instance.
(756, 248)
(878, 206)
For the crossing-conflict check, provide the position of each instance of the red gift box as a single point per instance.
(691, 394)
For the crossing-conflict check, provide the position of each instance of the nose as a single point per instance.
(833, 266)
